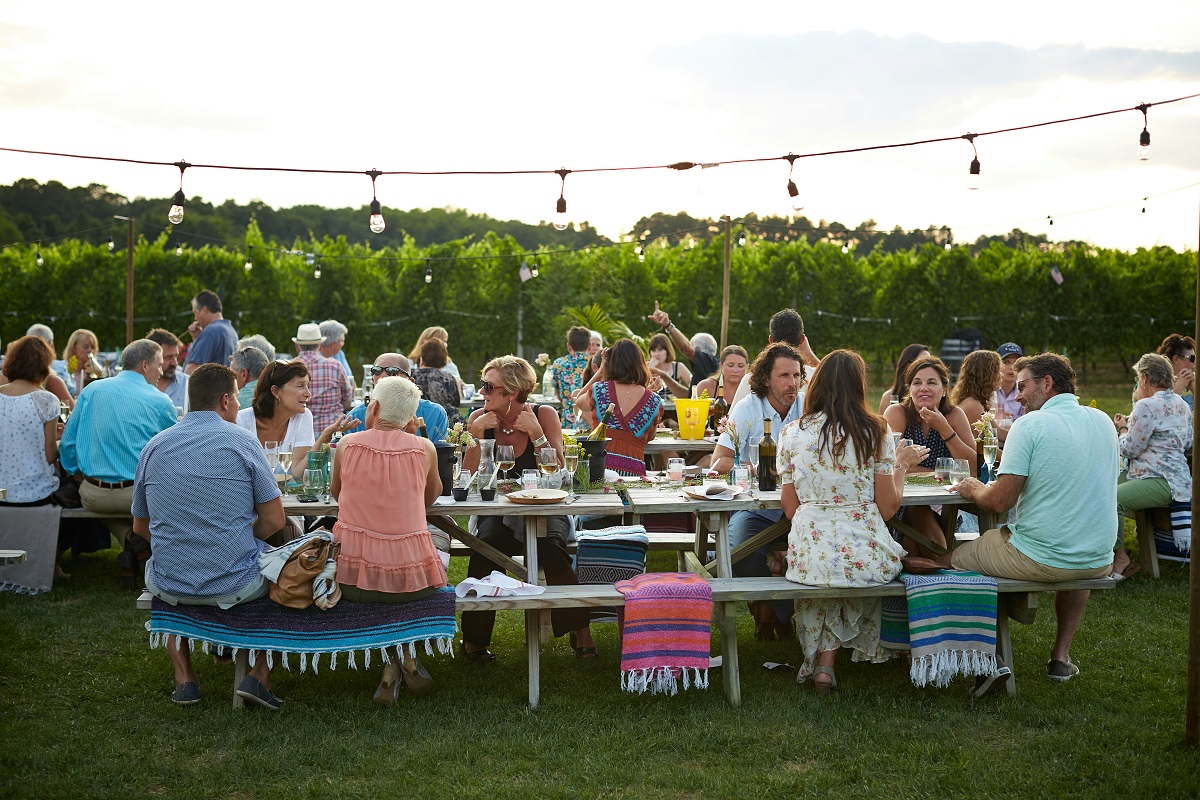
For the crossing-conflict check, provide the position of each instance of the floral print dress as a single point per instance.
(838, 538)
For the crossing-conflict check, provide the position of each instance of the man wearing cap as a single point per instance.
(213, 337)
(1007, 406)
(332, 392)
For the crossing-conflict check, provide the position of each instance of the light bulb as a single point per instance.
(949, 247)
(249, 264)
(560, 214)
(742, 239)
(111, 245)
(642, 257)
(317, 272)
(534, 270)
(429, 274)
(1144, 145)
(794, 193)
(175, 215)
(40, 260)
(377, 223)
(973, 175)
(845, 249)
(179, 250)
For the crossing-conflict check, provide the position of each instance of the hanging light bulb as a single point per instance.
(428, 271)
(949, 247)
(175, 215)
(179, 249)
(249, 264)
(533, 268)
(1051, 218)
(1144, 138)
(317, 272)
(376, 222)
(111, 245)
(39, 260)
(560, 208)
(1144, 199)
(973, 172)
(742, 239)
(641, 250)
(845, 249)
(792, 191)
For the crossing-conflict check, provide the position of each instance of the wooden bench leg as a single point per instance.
(241, 666)
(1145, 536)
(730, 673)
(534, 526)
(1004, 648)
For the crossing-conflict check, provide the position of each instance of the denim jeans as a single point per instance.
(744, 525)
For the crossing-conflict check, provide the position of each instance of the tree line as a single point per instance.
(1110, 307)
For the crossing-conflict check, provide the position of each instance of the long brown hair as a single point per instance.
(626, 364)
(907, 356)
(277, 373)
(978, 377)
(929, 362)
(838, 389)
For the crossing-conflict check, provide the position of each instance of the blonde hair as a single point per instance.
(516, 376)
(432, 332)
(82, 333)
(397, 398)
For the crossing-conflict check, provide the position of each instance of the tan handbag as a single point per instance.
(295, 586)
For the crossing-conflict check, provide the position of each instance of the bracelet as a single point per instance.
(1123, 428)
(669, 326)
(953, 436)
(540, 441)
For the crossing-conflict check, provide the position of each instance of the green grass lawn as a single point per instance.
(85, 711)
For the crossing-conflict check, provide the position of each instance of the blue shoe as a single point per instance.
(252, 689)
(186, 694)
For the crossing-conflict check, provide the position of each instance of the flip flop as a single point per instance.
(1133, 569)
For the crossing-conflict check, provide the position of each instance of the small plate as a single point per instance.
(538, 497)
(697, 492)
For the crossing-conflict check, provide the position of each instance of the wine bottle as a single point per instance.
(600, 432)
(421, 430)
(720, 409)
(768, 477)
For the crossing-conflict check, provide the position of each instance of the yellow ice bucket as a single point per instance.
(693, 416)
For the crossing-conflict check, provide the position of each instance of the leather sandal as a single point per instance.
(478, 656)
(389, 686)
(824, 688)
(418, 679)
(582, 652)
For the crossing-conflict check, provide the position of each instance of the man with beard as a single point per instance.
(174, 381)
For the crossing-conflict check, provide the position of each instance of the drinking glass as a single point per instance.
(529, 479)
(285, 457)
(943, 468)
(468, 391)
(741, 477)
(548, 466)
(753, 455)
(271, 451)
(63, 413)
(989, 453)
(675, 470)
(571, 457)
(961, 470)
(505, 458)
(313, 481)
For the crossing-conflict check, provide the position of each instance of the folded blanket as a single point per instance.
(951, 625)
(33, 529)
(612, 554)
(666, 631)
(345, 629)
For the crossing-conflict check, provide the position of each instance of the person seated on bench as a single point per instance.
(206, 550)
(1153, 437)
(383, 479)
(838, 485)
(1060, 471)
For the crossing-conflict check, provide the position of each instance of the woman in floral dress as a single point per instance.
(839, 483)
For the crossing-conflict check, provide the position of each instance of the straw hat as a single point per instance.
(308, 333)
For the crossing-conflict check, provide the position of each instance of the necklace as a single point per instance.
(509, 431)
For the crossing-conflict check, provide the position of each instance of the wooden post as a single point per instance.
(129, 284)
(725, 282)
(1192, 709)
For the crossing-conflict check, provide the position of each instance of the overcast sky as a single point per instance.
(546, 85)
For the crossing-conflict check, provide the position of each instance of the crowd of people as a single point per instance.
(191, 421)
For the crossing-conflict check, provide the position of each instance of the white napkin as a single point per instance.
(496, 585)
(713, 491)
(444, 500)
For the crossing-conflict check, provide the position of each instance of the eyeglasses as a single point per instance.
(391, 372)
(1191, 358)
(487, 387)
(1021, 384)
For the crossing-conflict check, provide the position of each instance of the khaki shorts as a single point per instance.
(992, 554)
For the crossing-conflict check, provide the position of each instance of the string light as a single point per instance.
(560, 209)
(178, 248)
(39, 260)
(376, 223)
(641, 250)
(1144, 199)
(949, 247)
(249, 263)
(533, 268)
(973, 173)
(428, 271)
(111, 245)
(1144, 138)
(175, 215)
(793, 192)
(1051, 218)
(316, 268)
(741, 240)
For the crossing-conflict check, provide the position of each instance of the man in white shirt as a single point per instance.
(775, 380)
(786, 326)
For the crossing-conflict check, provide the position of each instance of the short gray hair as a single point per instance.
(138, 351)
(705, 343)
(259, 341)
(41, 331)
(333, 331)
(397, 400)
(1157, 370)
(596, 335)
(250, 359)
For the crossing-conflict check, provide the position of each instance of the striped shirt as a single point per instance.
(204, 547)
(112, 421)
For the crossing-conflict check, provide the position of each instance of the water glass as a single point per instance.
(468, 391)
(675, 470)
(529, 479)
(943, 469)
(741, 477)
(314, 480)
(752, 454)
(960, 471)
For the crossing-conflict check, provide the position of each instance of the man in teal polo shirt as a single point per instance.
(1060, 471)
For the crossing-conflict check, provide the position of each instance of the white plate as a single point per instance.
(698, 492)
(538, 497)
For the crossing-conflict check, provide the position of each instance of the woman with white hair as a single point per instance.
(383, 479)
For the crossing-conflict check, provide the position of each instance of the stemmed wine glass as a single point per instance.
(752, 452)
(571, 457)
(285, 461)
(505, 457)
(548, 465)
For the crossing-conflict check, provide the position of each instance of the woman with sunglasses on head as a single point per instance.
(1181, 350)
(507, 418)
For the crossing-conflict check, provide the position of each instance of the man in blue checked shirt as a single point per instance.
(112, 421)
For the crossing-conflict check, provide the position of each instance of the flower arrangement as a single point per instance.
(983, 426)
(458, 434)
(542, 360)
(726, 425)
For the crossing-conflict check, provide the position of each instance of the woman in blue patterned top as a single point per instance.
(624, 382)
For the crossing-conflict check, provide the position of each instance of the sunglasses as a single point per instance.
(1191, 358)
(487, 387)
(390, 371)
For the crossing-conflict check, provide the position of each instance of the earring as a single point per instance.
(509, 409)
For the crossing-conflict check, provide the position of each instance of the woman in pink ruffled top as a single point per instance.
(383, 479)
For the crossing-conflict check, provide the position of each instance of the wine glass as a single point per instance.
(505, 457)
(571, 457)
(752, 447)
(548, 464)
(63, 413)
(285, 461)
(271, 451)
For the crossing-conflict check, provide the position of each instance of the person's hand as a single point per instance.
(482, 423)
(659, 317)
(58, 428)
(934, 419)
(1121, 421)
(653, 363)
(1183, 381)
(911, 455)
(968, 488)
(806, 352)
(527, 422)
(339, 425)
(194, 329)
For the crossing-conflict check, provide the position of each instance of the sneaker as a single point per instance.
(186, 694)
(1061, 671)
(988, 684)
(252, 689)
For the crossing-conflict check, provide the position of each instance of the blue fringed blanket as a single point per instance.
(346, 629)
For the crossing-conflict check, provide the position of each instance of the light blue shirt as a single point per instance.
(341, 359)
(1067, 510)
(748, 415)
(204, 547)
(177, 391)
(112, 421)
(246, 394)
(436, 422)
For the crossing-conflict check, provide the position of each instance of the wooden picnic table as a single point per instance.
(668, 443)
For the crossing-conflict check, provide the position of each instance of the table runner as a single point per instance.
(666, 631)
(345, 629)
